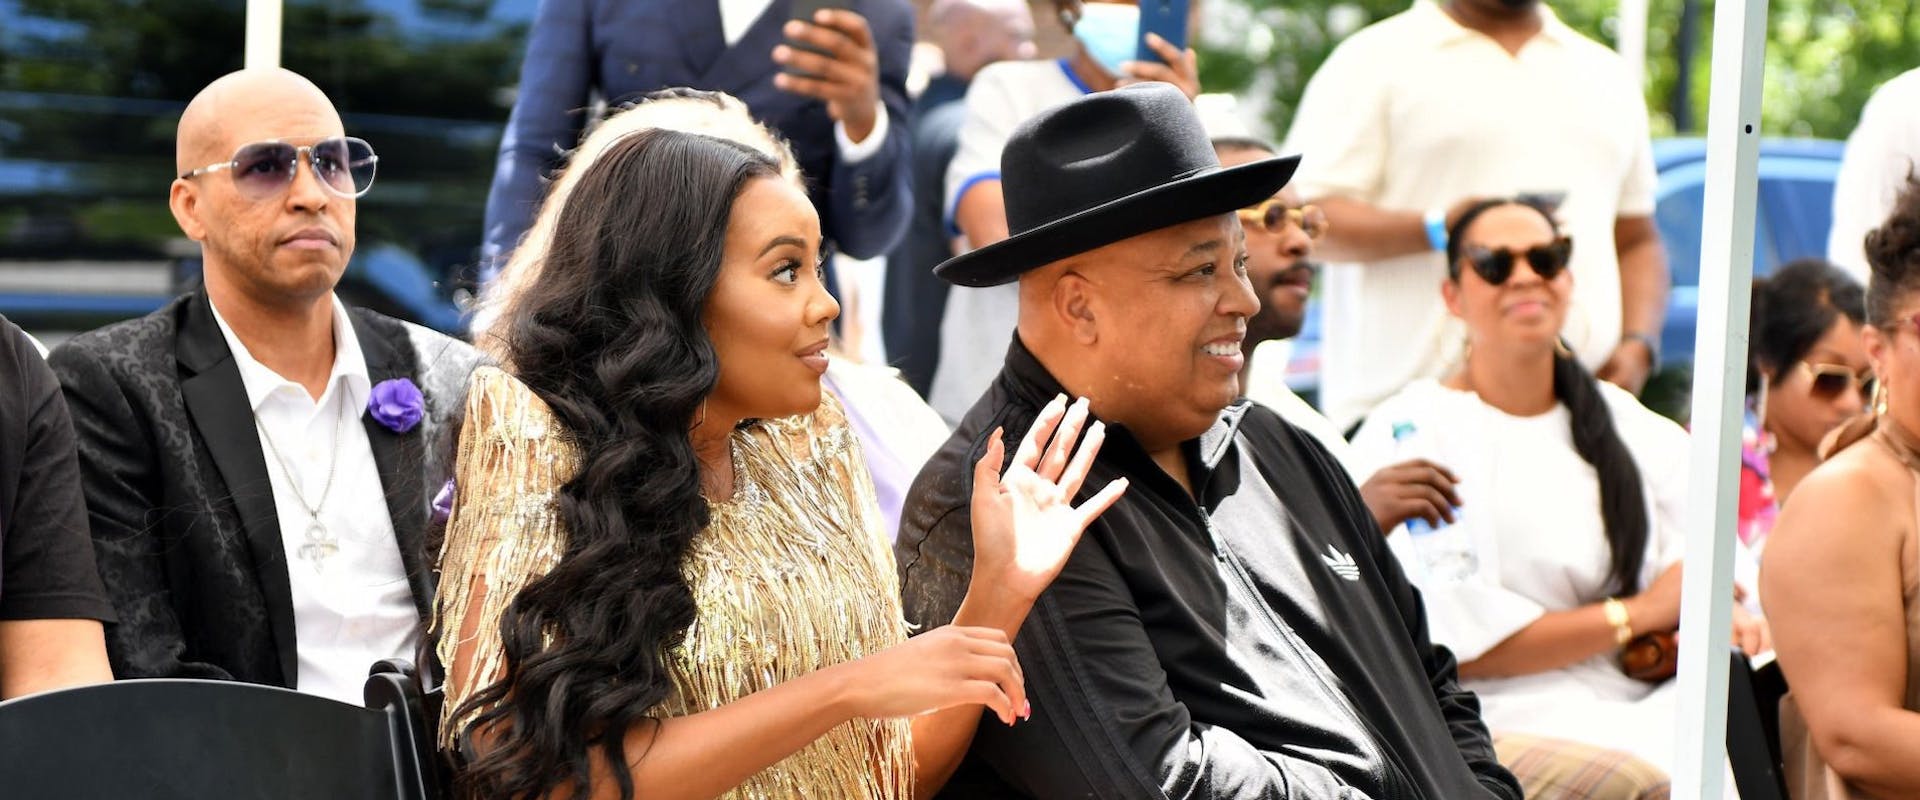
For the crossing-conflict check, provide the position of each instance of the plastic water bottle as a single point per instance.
(1446, 552)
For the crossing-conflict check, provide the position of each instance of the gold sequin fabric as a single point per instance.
(793, 574)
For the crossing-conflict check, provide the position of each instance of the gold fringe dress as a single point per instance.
(793, 574)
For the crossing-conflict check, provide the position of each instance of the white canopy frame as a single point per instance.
(1726, 272)
(1719, 383)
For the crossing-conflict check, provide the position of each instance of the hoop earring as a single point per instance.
(1560, 348)
(1766, 441)
(703, 416)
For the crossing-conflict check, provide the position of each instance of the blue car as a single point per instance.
(1792, 215)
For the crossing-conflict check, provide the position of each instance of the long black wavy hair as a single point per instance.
(1623, 501)
(1792, 309)
(611, 339)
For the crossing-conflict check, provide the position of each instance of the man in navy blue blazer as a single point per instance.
(849, 126)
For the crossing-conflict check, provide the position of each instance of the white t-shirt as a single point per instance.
(1267, 385)
(1882, 148)
(354, 607)
(1415, 113)
(979, 323)
(1530, 506)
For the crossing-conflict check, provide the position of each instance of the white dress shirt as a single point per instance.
(354, 607)
(736, 16)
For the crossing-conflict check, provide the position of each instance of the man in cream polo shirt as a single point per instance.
(1410, 119)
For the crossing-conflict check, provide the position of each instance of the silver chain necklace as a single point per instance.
(321, 543)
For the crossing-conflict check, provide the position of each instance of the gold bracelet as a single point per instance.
(1616, 612)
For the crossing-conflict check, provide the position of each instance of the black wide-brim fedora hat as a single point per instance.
(1106, 167)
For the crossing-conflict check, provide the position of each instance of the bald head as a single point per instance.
(975, 33)
(248, 106)
(264, 245)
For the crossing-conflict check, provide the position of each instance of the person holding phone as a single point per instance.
(1408, 122)
(832, 82)
(1108, 38)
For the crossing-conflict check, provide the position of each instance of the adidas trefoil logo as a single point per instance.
(1342, 564)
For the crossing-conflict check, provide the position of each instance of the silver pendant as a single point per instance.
(320, 546)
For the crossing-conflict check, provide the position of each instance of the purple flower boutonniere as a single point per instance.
(397, 404)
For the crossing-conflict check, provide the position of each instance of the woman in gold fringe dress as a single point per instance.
(663, 575)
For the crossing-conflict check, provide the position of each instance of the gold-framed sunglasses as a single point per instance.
(1273, 216)
(1829, 380)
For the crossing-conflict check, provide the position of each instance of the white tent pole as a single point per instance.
(1719, 381)
(1632, 38)
(263, 34)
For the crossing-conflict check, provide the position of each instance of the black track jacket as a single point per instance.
(1260, 642)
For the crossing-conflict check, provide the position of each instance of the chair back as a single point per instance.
(1753, 728)
(175, 738)
(413, 711)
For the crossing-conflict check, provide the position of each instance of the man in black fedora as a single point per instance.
(1234, 627)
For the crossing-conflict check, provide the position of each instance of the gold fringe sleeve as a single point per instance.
(794, 574)
(504, 531)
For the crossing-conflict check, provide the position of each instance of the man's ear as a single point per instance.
(1074, 300)
(184, 200)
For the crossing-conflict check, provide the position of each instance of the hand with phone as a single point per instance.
(830, 56)
(1176, 66)
(1161, 53)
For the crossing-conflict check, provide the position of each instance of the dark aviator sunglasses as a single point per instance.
(1496, 266)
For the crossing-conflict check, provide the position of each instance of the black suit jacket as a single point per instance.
(184, 526)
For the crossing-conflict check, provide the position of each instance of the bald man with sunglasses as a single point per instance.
(258, 459)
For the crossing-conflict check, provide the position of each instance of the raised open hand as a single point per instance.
(1024, 521)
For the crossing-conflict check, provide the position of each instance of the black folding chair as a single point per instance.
(1753, 728)
(165, 739)
(394, 686)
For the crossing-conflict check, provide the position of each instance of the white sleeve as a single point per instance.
(1662, 453)
(853, 152)
(1665, 471)
(1641, 181)
(1872, 170)
(991, 117)
(1340, 129)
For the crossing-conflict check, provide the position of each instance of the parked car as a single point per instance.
(1793, 211)
(90, 93)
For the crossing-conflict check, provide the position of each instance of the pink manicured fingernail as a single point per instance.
(1026, 710)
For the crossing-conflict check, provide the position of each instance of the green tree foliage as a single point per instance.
(90, 91)
(1824, 57)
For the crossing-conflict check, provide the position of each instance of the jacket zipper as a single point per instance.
(1259, 610)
